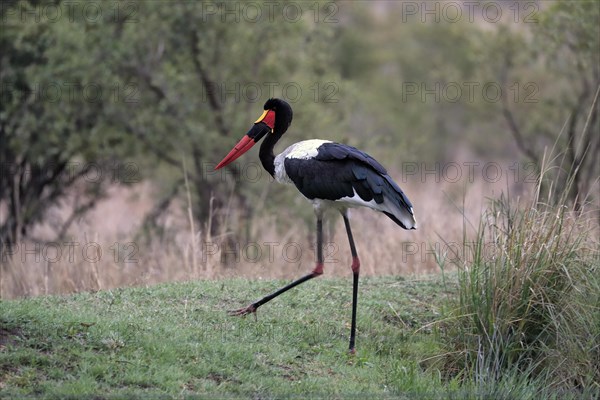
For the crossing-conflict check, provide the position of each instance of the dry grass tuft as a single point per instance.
(102, 250)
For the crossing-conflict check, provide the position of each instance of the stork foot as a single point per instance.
(242, 312)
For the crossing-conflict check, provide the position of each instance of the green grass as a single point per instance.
(520, 319)
(175, 340)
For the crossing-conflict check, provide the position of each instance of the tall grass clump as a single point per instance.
(528, 310)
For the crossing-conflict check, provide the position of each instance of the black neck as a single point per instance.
(283, 119)
(266, 155)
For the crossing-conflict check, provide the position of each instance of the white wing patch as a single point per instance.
(302, 150)
(356, 201)
(407, 219)
(305, 149)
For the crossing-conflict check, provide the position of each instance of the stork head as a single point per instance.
(275, 120)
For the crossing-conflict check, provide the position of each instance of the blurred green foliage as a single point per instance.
(152, 84)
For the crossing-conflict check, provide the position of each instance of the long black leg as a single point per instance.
(318, 270)
(355, 271)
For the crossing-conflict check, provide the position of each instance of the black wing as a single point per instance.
(339, 170)
(336, 151)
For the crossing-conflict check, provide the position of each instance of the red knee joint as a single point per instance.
(355, 265)
(318, 269)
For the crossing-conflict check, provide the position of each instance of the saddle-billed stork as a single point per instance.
(331, 176)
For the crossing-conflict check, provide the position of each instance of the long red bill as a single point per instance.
(240, 148)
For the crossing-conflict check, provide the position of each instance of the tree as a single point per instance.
(53, 137)
(143, 87)
(571, 32)
(562, 57)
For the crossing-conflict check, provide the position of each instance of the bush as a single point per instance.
(528, 308)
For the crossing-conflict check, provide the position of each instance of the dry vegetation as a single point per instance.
(528, 304)
(279, 244)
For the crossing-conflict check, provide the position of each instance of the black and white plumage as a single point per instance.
(334, 175)
(331, 176)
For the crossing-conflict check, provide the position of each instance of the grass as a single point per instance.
(175, 340)
(528, 305)
(520, 319)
